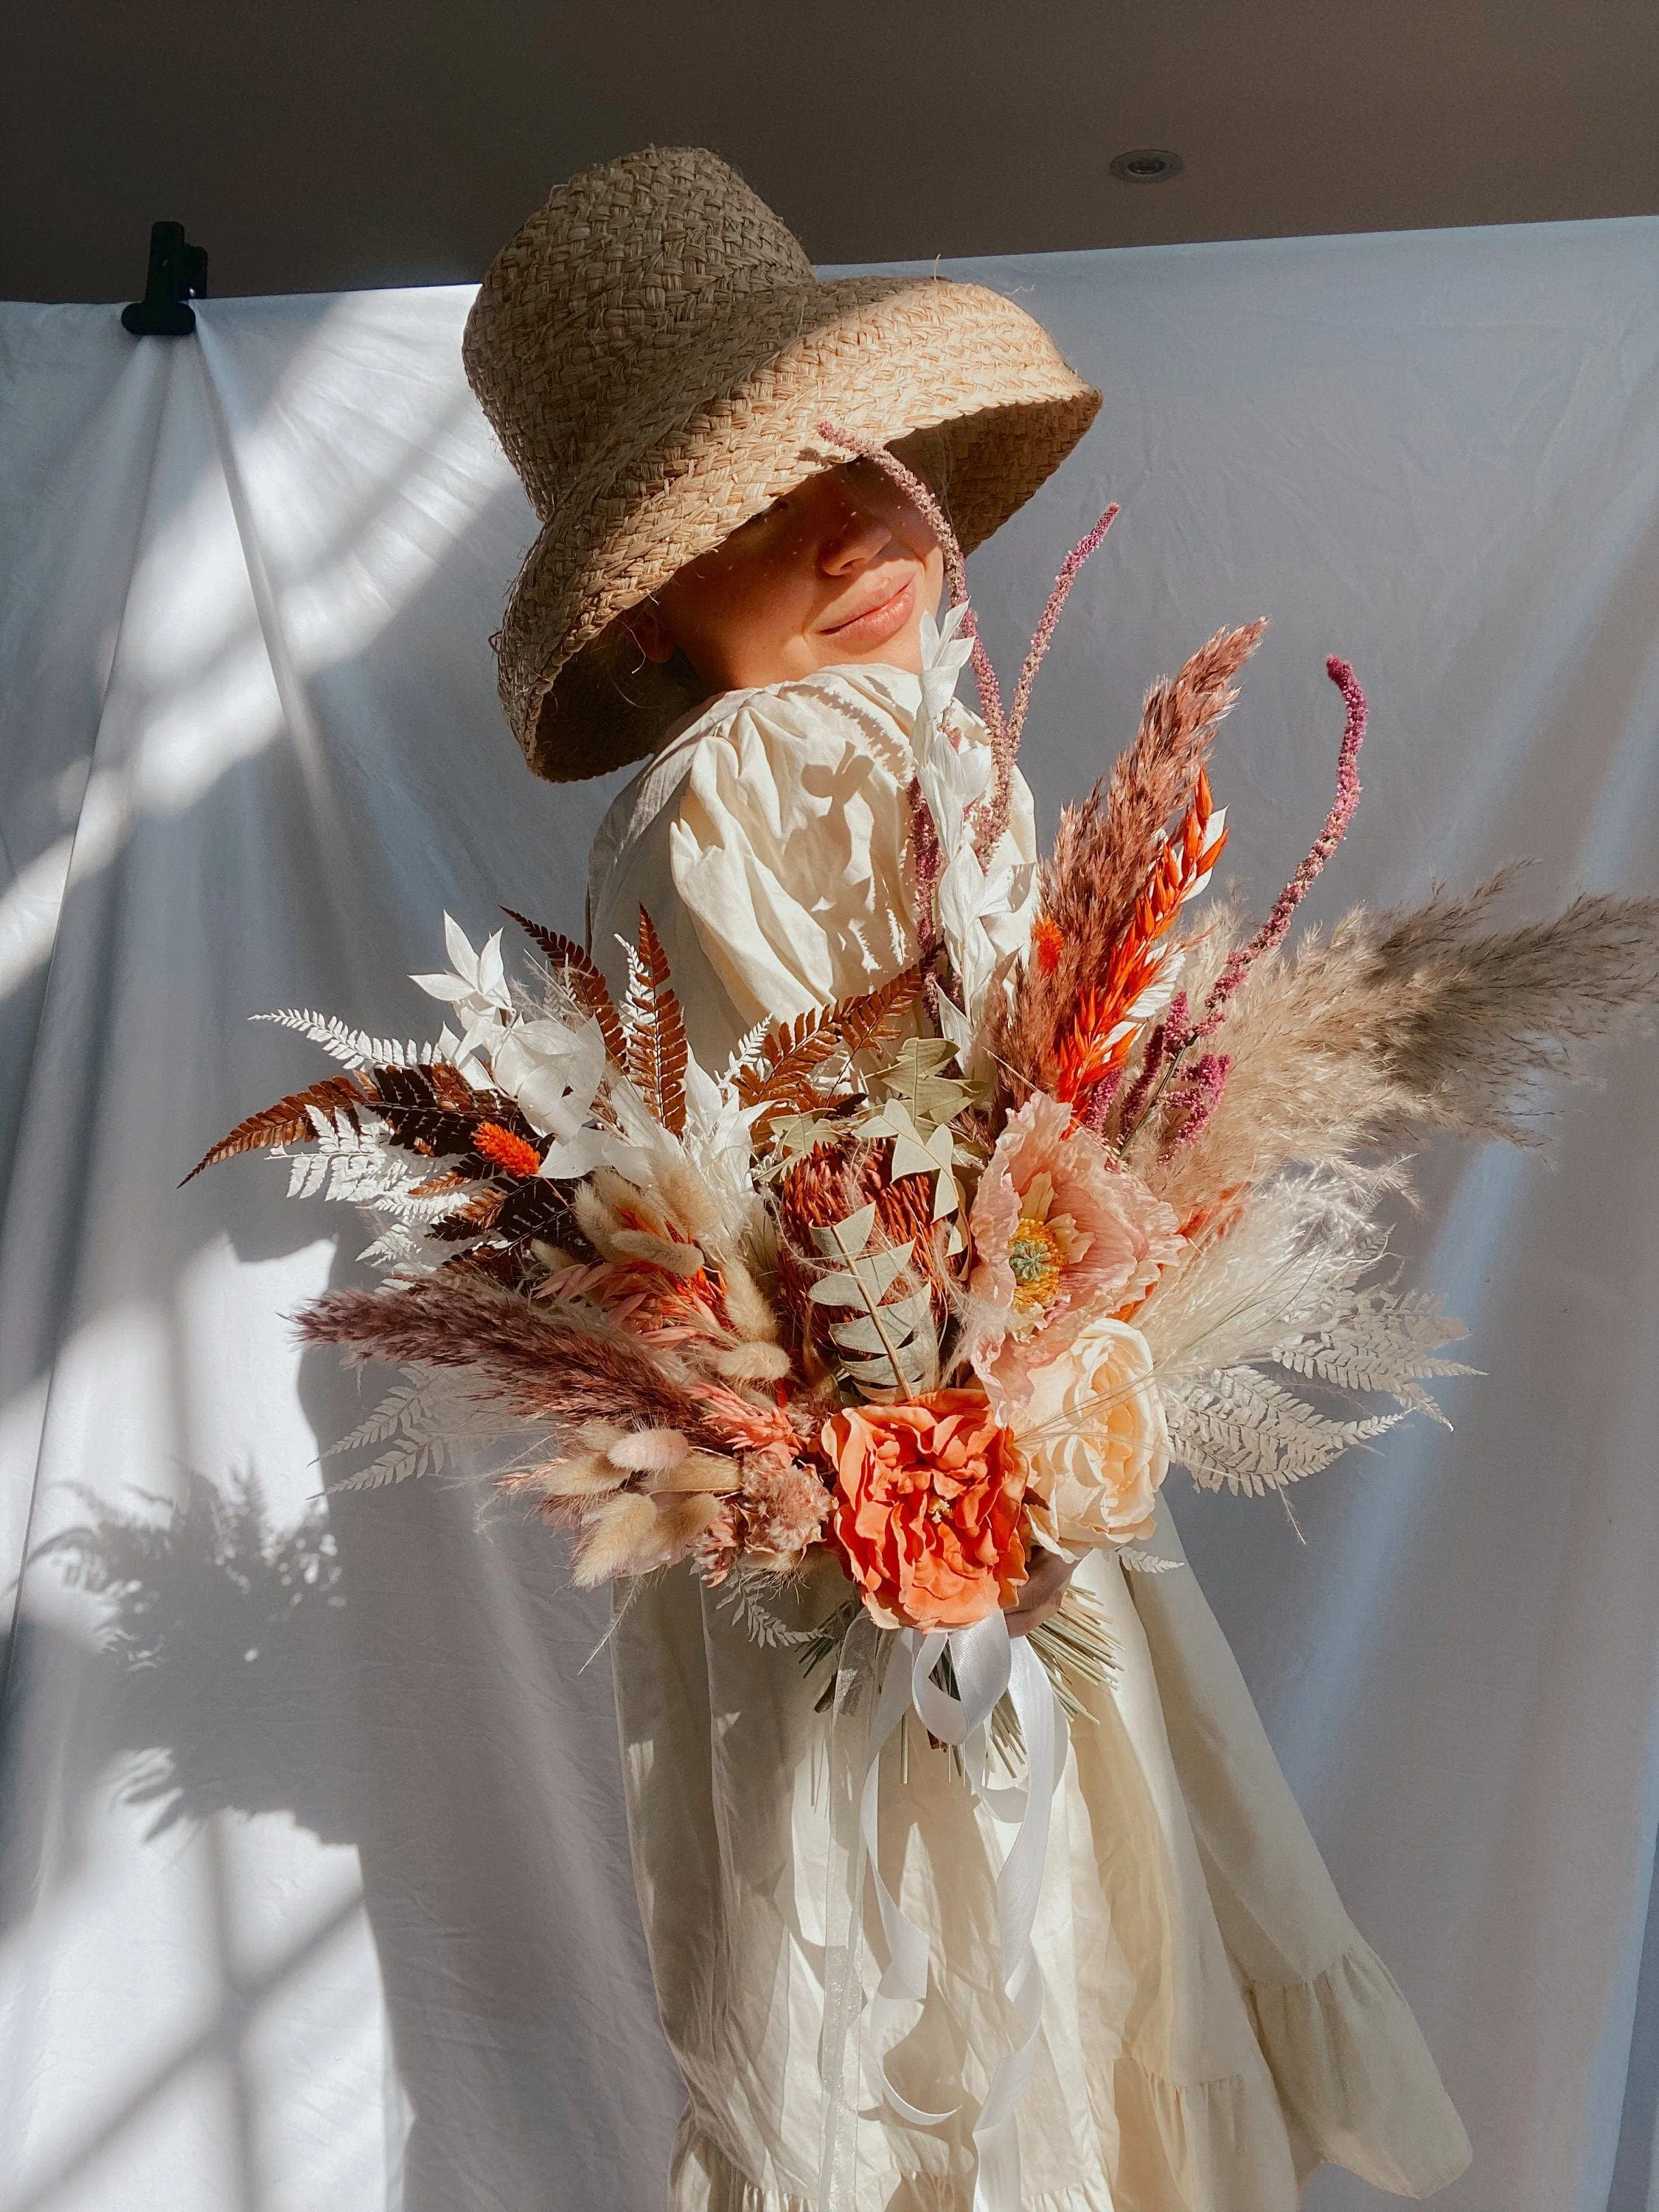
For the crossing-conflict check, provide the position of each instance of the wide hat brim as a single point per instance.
(976, 386)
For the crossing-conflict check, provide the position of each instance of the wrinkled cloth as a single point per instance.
(1214, 2026)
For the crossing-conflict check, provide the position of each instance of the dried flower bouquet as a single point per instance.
(954, 1271)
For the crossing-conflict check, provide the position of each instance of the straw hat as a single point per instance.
(656, 356)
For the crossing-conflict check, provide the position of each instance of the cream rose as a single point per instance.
(1095, 1440)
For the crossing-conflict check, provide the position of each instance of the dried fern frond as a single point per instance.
(1288, 1265)
(1242, 1430)
(1381, 1343)
(351, 1048)
(780, 1070)
(582, 978)
(1283, 1289)
(294, 1119)
(654, 1032)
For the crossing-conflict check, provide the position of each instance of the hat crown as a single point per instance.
(599, 282)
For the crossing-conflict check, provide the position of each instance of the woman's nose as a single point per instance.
(853, 541)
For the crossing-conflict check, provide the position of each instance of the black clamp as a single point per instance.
(178, 274)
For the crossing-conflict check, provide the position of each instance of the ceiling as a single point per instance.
(314, 145)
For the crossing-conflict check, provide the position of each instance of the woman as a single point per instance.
(716, 586)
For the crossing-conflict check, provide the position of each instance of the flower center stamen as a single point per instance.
(1035, 1256)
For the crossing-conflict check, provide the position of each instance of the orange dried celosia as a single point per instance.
(506, 1149)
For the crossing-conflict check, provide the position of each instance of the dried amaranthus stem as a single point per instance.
(1272, 932)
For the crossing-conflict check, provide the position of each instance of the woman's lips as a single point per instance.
(876, 624)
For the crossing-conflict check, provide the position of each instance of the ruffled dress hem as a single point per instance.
(1192, 2145)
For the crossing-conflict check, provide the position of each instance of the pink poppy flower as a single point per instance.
(1061, 1235)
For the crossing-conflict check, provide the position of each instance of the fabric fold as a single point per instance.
(1355, 2078)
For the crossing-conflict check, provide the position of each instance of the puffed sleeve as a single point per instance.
(788, 851)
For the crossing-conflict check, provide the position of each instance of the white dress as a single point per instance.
(1214, 2026)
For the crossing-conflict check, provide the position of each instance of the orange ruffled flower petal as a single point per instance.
(927, 1514)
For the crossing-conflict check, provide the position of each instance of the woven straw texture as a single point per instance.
(656, 356)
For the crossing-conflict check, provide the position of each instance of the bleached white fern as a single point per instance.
(405, 1461)
(401, 1247)
(361, 1170)
(1282, 1291)
(404, 1406)
(741, 1598)
(1384, 1342)
(1137, 1562)
(422, 1424)
(413, 1422)
(351, 1048)
(1289, 1269)
(1241, 1429)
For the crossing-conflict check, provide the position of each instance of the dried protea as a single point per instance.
(825, 1187)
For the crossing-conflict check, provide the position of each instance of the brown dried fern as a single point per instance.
(791, 1054)
(582, 978)
(655, 1032)
(289, 1122)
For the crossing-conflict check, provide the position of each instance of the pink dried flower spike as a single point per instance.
(1272, 932)
(1005, 729)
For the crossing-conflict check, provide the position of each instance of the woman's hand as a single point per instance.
(1041, 1592)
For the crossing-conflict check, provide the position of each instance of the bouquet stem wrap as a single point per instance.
(988, 1663)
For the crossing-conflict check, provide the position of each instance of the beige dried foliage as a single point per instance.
(754, 1320)
(1488, 1015)
(582, 1479)
(1407, 1022)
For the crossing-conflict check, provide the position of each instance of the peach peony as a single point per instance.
(926, 1513)
(1061, 1235)
(1096, 1444)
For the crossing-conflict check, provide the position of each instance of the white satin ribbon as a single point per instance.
(987, 1661)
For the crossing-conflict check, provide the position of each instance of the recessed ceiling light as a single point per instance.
(1146, 165)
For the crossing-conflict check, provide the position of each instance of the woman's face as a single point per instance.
(841, 570)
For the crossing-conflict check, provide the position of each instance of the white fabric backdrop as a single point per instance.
(325, 1906)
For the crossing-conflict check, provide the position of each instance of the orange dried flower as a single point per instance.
(927, 1514)
(1046, 940)
(507, 1150)
(1103, 1027)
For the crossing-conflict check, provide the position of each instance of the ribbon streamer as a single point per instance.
(988, 1663)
